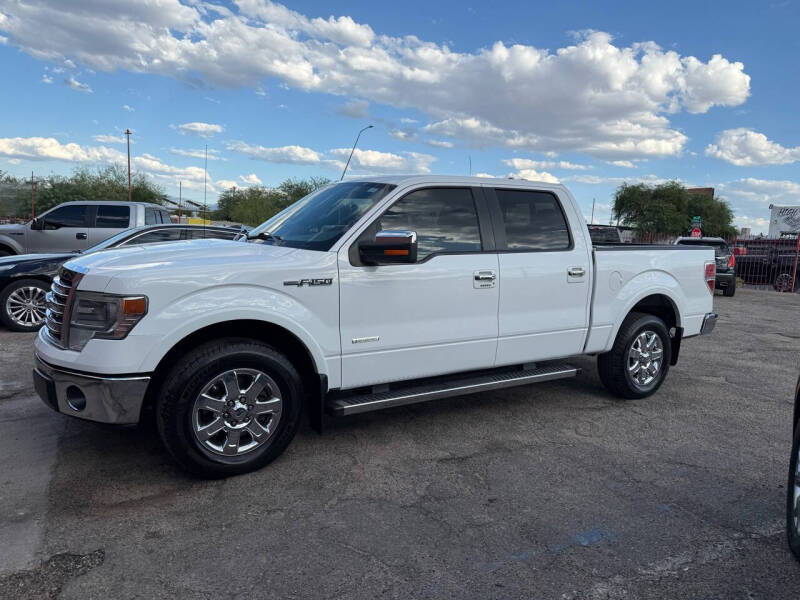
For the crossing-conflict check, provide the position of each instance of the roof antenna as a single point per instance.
(470, 164)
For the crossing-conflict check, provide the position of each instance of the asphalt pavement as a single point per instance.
(554, 490)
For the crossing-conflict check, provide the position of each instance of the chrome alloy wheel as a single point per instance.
(796, 495)
(26, 307)
(237, 412)
(645, 358)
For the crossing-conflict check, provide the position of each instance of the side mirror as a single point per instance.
(389, 248)
(37, 224)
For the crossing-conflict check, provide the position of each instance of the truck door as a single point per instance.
(109, 220)
(63, 229)
(545, 276)
(437, 315)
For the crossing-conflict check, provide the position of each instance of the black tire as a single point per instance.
(730, 290)
(785, 282)
(4, 252)
(182, 386)
(5, 316)
(613, 365)
(792, 534)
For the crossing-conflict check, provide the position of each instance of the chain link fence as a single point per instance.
(12, 199)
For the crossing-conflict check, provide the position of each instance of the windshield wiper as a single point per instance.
(265, 235)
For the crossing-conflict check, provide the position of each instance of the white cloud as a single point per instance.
(649, 179)
(355, 109)
(373, 161)
(226, 184)
(594, 96)
(761, 191)
(297, 155)
(39, 148)
(251, 179)
(77, 85)
(524, 163)
(109, 139)
(534, 175)
(46, 78)
(128, 108)
(746, 148)
(199, 128)
(438, 143)
(198, 153)
(627, 164)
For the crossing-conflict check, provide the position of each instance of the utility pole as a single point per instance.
(128, 135)
(205, 173)
(353, 150)
(33, 197)
(470, 165)
(180, 199)
(592, 223)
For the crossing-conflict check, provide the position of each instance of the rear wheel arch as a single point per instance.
(279, 338)
(6, 250)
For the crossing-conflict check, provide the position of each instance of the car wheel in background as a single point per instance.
(22, 304)
(793, 498)
(784, 282)
(229, 407)
(637, 364)
(730, 290)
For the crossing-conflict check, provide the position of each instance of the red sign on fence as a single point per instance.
(696, 232)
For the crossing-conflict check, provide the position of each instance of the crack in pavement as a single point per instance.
(46, 581)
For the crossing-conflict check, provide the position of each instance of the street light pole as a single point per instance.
(128, 135)
(353, 150)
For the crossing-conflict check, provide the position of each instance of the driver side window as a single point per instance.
(445, 220)
(74, 215)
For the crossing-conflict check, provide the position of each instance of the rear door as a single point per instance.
(109, 219)
(545, 276)
(64, 229)
(438, 315)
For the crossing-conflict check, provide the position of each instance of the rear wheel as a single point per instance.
(785, 282)
(229, 407)
(637, 364)
(730, 290)
(22, 305)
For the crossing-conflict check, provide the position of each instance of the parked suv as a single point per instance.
(726, 261)
(75, 226)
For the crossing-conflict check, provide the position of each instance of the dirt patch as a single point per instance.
(45, 581)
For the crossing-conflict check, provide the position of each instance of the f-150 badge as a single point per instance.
(302, 282)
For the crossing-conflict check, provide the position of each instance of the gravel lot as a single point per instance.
(548, 491)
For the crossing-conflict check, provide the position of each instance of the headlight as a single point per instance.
(103, 316)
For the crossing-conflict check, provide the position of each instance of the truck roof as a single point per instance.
(455, 179)
(125, 202)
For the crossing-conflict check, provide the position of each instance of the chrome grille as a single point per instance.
(58, 299)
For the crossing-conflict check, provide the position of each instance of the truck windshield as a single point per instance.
(317, 221)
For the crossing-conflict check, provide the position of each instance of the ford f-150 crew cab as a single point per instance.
(363, 295)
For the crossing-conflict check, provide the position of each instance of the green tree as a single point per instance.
(106, 183)
(668, 208)
(254, 205)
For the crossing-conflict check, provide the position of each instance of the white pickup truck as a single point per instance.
(364, 295)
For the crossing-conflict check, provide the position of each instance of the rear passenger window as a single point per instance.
(159, 235)
(533, 220)
(151, 216)
(445, 220)
(217, 234)
(111, 216)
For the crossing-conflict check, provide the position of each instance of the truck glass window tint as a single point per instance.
(445, 220)
(317, 221)
(533, 220)
(161, 235)
(73, 215)
(112, 216)
(150, 217)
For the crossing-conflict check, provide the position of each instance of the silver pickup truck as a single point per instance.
(74, 226)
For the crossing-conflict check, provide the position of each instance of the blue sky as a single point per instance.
(589, 94)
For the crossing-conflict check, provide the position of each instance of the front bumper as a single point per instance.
(709, 322)
(101, 398)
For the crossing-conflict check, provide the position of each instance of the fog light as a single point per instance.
(75, 398)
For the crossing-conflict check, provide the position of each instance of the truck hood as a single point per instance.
(208, 261)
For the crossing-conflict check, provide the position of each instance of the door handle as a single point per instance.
(483, 280)
(485, 276)
(80, 236)
(576, 271)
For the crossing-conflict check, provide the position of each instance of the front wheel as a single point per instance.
(637, 364)
(793, 498)
(229, 407)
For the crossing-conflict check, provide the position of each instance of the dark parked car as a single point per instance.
(726, 261)
(769, 261)
(25, 279)
(793, 487)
